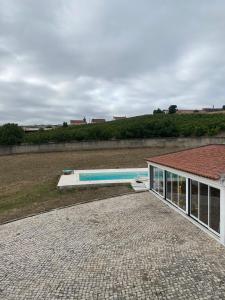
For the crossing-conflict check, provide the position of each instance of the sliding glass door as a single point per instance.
(157, 180)
(205, 204)
(176, 189)
(194, 198)
(182, 192)
(214, 209)
(204, 199)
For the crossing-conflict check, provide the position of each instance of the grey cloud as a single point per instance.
(66, 59)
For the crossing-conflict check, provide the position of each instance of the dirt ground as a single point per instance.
(28, 181)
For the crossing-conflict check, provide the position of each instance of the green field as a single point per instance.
(28, 181)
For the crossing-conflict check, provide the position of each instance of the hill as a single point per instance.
(146, 126)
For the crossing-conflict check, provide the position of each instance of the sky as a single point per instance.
(66, 59)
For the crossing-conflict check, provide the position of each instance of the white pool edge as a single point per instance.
(73, 180)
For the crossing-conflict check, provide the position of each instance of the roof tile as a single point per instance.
(206, 161)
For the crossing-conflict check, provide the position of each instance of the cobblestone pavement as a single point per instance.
(129, 247)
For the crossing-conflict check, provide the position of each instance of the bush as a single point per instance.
(11, 134)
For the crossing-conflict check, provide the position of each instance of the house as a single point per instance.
(96, 121)
(193, 181)
(187, 111)
(35, 128)
(205, 110)
(213, 110)
(119, 118)
(184, 111)
(28, 129)
(78, 122)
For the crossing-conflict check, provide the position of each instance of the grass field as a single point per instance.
(28, 181)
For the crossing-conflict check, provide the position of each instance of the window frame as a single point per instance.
(198, 218)
(189, 177)
(178, 193)
(153, 179)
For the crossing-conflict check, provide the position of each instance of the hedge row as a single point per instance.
(148, 126)
(138, 127)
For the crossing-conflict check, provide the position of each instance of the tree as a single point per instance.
(11, 134)
(223, 107)
(158, 111)
(65, 124)
(172, 109)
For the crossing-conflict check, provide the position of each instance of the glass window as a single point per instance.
(161, 182)
(168, 185)
(182, 192)
(175, 188)
(152, 177)
(194, 198)
(155, 178)
(214, 211)
(203, 203)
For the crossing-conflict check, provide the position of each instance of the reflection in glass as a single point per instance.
(182, 192)
(155, 179)
(214, 212)
(175, 188)
(161, 183)
(194, 198)
(168, 185)
(203, 203)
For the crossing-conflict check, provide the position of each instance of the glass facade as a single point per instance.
(161, 181)
(214, 209)
(205, 204)
(204, 199)
(169, 186)
(158, 180)
(182, 192)
(194, 198)
(176, 189)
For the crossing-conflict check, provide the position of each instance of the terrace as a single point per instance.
(128, 247)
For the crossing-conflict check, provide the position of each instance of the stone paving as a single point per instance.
(128, 247)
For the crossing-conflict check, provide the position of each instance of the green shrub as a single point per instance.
(11, 134)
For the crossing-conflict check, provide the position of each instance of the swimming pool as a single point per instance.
(101, 177)
(119, 175)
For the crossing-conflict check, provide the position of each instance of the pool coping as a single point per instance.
(73, 180)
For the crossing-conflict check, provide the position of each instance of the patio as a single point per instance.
(128, 247)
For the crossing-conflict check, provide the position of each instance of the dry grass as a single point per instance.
(28, 181)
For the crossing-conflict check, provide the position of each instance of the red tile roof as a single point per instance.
(98, 121)
(119, 118)
(206, 161)
(77, 122)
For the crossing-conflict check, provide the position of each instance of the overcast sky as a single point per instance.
(65, 59)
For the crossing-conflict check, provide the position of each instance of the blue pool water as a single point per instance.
(112, 175)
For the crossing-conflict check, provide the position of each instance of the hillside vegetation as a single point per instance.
(147, 126)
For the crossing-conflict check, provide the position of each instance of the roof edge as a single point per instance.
(178, 151)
